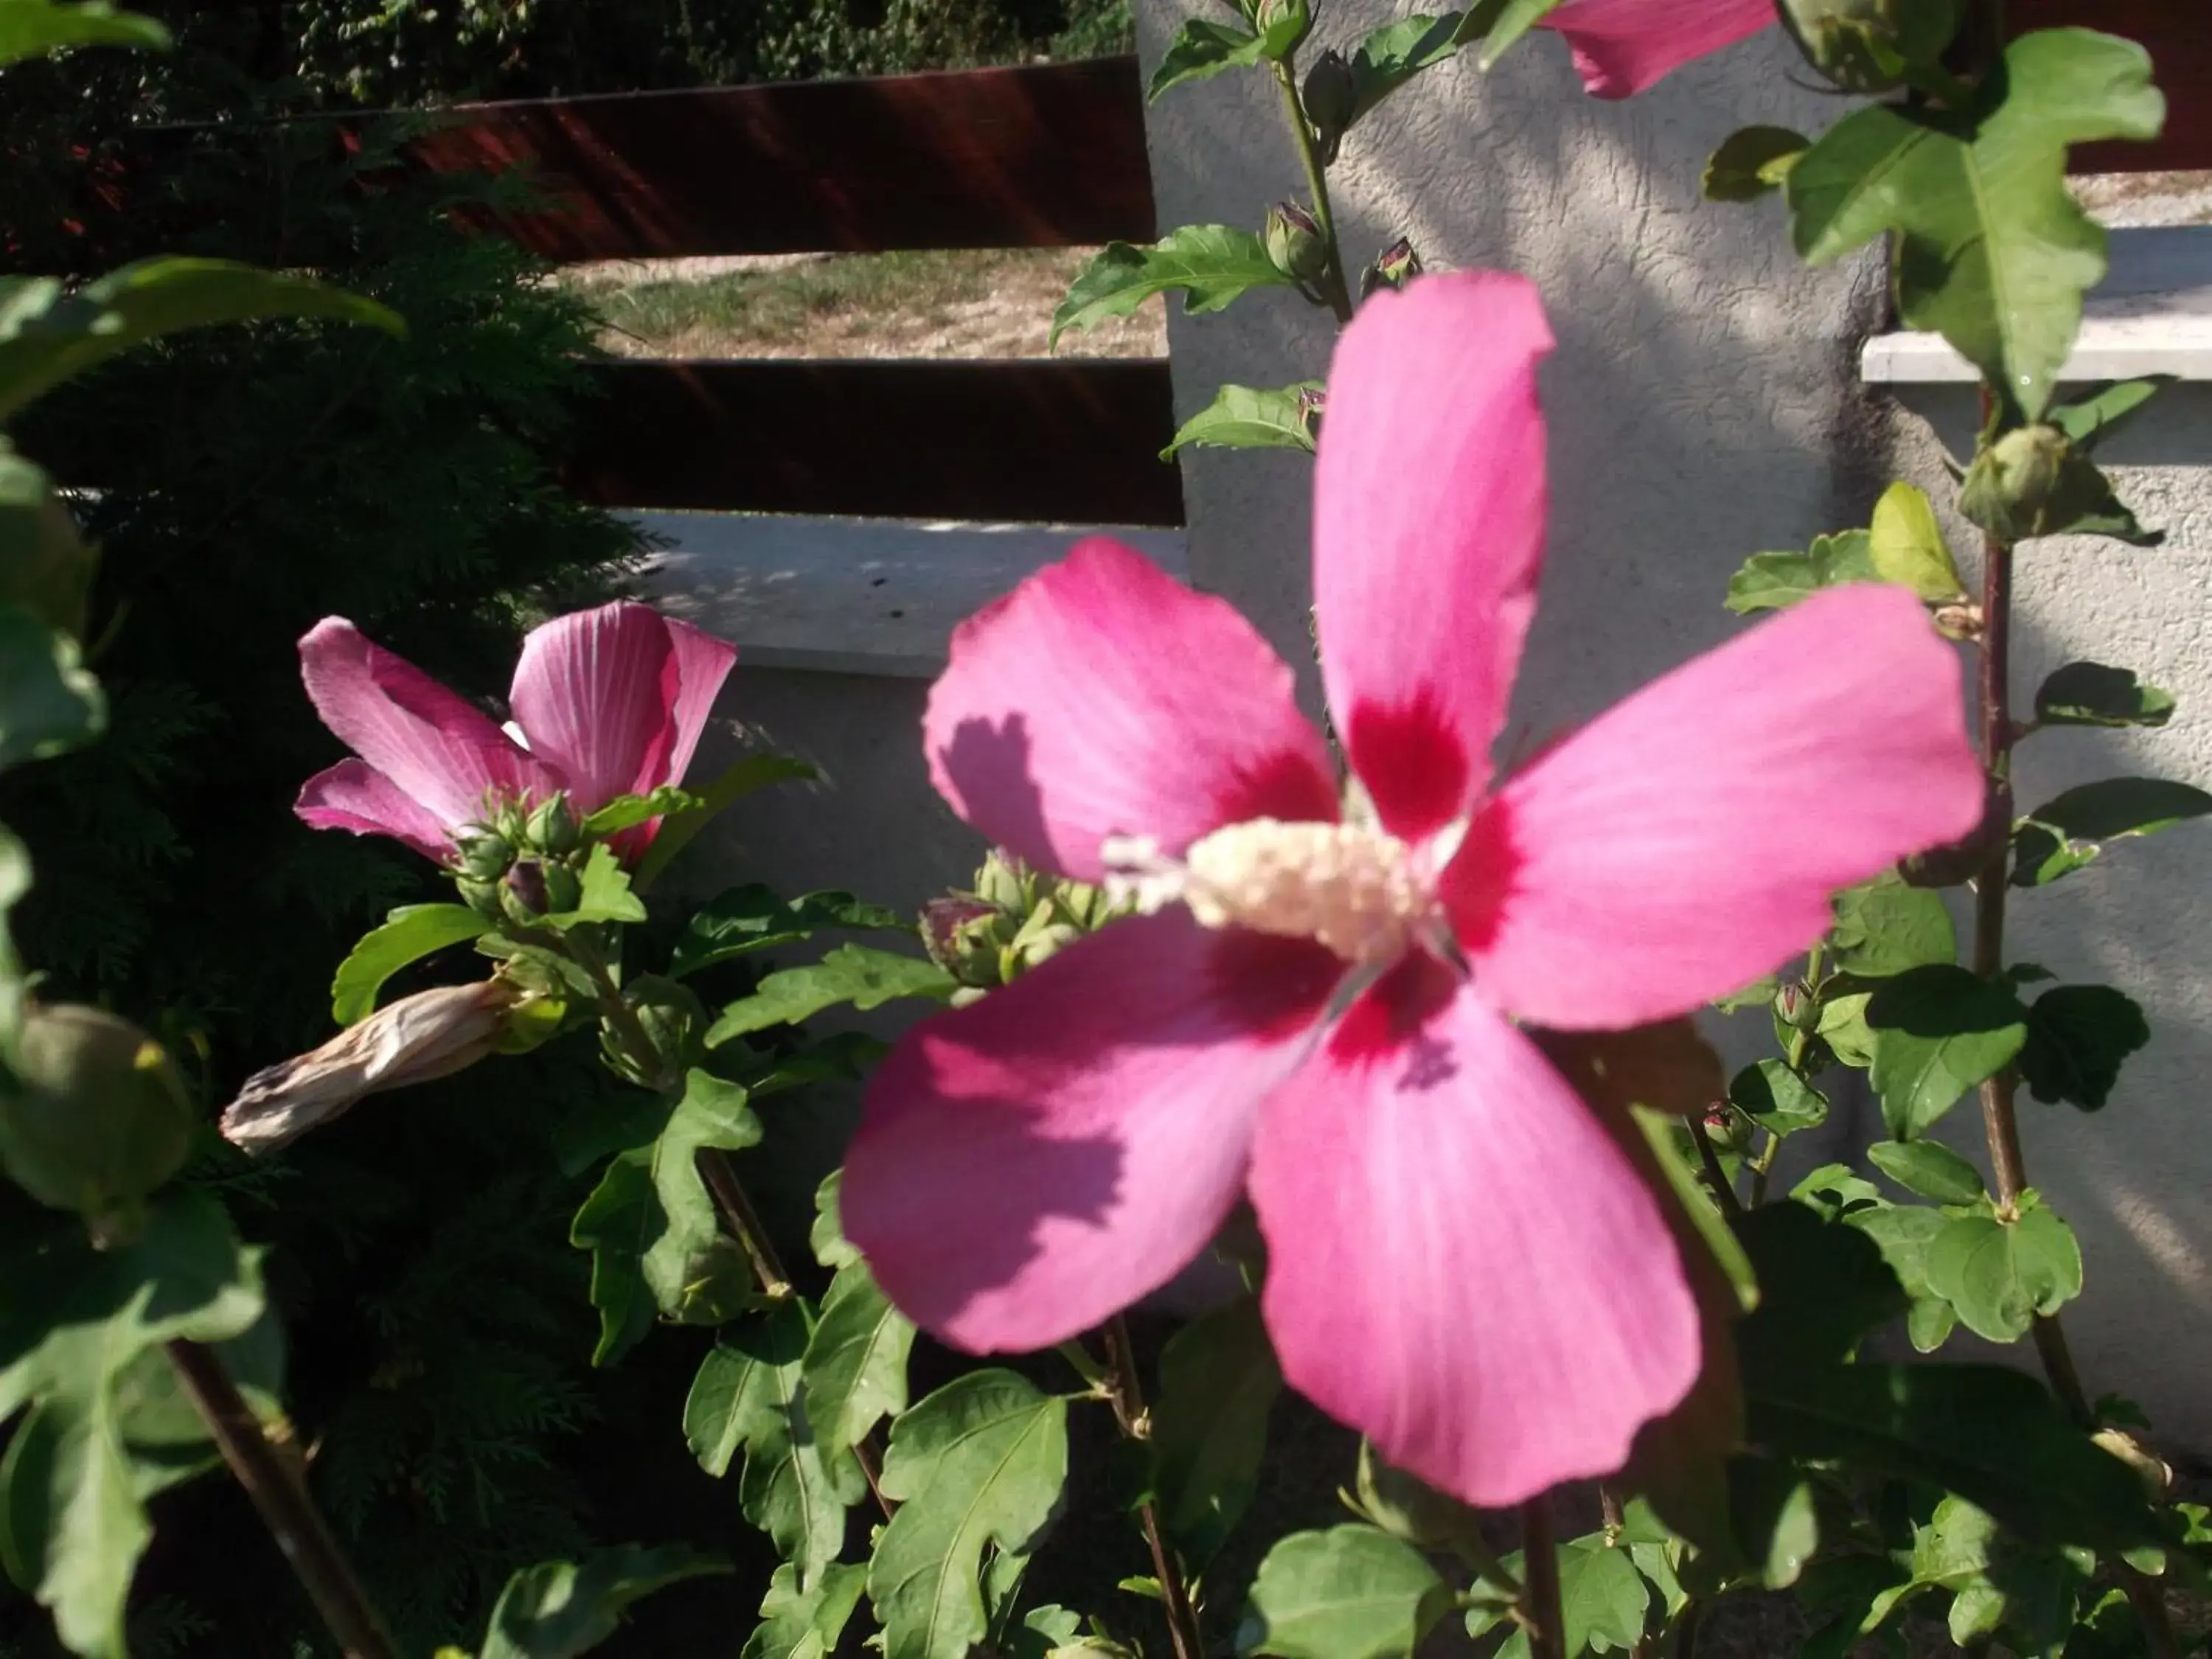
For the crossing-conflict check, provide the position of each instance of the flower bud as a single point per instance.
(1866, 46)
(960, 935)
(1394, 267)
(552, 828)
(1002, 882)
(1727, 1129)
(1313, 402)
(564, 888)
(522, 895)
(483, 897)
(1795, 1006)
(1038, 945)
(485, 857)
(96, 1116)
(1329, 95)
(1294, 243)
(2013, 482)
(1296, 16)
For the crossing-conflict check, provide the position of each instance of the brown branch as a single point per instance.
(1127, 1398)
(1540, 1573)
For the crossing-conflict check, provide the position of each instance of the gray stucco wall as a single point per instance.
(1704, 404)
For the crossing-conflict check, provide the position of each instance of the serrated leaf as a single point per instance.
(1603, 1602)
(805, 1624)
(855, 1366)
(1202, 48)
(749, 1397)
(827, 1238)
(1938, 1030)
(1248, 417)
(743, 919)
(1351, 1592)
(49, 704)
(617, 1224)
(627, 812)
(2088, 421)
(1834, 1190)
(2070, 829)
(1885, 925)
(1388, 56)
(1902, 1233)
(1210, 265)
(1774, 582)
(1929, 1169)
(977, 1465)
(2000, 1274)
(33, 29)
(1777, 1099)
(605, 894)
(1219, 1382)
(851, 974)
(1751, 161)
(1907, 546)
(2091, 693)
(407, 935)
(1993, 253)
(559, 1609)
(2077, 1037)
(50, 332)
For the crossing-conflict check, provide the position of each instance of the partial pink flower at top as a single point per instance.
(1321, 1007)
(609, 703)
(1624, 46)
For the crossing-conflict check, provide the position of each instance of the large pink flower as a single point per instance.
(1623, 46)
(1460, 1262)
(610, 702)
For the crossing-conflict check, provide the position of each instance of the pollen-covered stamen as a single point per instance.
(1351, 888)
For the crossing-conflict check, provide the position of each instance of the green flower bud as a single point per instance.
(2013, 483)
(483, 897)
(1002, 882)
(1330, 94)
(960, 933)
(1039, 945)
(552, 828)
(522, 895)
(1294, 243)
(1313, 403)
(1795, 1006)
(1294, 17)
(96, 1116)
(1394, 267)
(485, 857)
(564, 888)
(1727, 1129)
(1866, 46)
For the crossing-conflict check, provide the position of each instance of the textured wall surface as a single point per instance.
(1704, 405)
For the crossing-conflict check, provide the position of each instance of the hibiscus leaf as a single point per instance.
(1202, 48)
(1822, 1288)
(1938, 1030)
(1388, 56)
(2091, 693)
(605, 895)
(1351, 1592)
(1993, 253)
(1907, 546)
(1247, 417)
(850, 974)
(1603, 1601)
(32, 28)
(559, 1609)
(741, 919)
(749, 1397)
(617, 1224)
(1751, 161)
(977, 1465)
(1219, 1382)
(1929, 1169)
(855, 1363)
(799, 1623)
(2070, 829)
(49, 704)
(625, 812)
(1999, 1274)
(1777, 1099)
(1885, 925)
(1211, 265)
(827, 1237)
(408, 935)
(1512, 20)
(1774, 581)
(1902, 1232)
(2077, 1037)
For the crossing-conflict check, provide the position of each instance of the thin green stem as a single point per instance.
(1125, 1392)
(1723, 1190)
(1333, 291)
(1540, 1612)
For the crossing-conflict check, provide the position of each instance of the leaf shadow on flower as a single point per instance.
(988, 768)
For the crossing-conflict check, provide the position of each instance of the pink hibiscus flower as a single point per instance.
(1320, 1012)
(610, 703)
(1623, 46)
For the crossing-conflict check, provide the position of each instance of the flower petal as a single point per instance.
(1102, 697)
(435, 746)
(699, 663)
(596, 692)
(1038, 1160)
(1429, 504)
(353, 795)
(1623, 46)
(1687, 841)
(1461, 1265)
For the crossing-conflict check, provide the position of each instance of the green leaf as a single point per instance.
(805, 1624)
(2077, 1037)
(1603, 1602)
(1211, 264)
(1994, 254)
(1515, 19)
(1246, 417)
(1351, 1592)
(1822, 1288)
(742, 920)
(408, 935)
(1659, 1130)
(1834, 1190)
(748, 1396)
(617, 1224)
(2088, 421)
(606, 894)
(1907, 546)
(976, 1466)
(2000, 1274)
(1218, 1382)
(2070, 831)
(1938, 1030)
(1203, 48)
(827, 1238)
(627, 812)
(46, 565)
(49, 332)
(850, 974)
(1884, 926)
(1843, 1028)
(1929, 1169)
(1774, 582)
(1394, 54)
(1902, 1233)
(753, 772)
(559, 1609)
(1777, 1527)
(1751, 161)
(33, 29)
(2090, 694)
(1777, 1099)
(855, 1365)
(48, 703)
